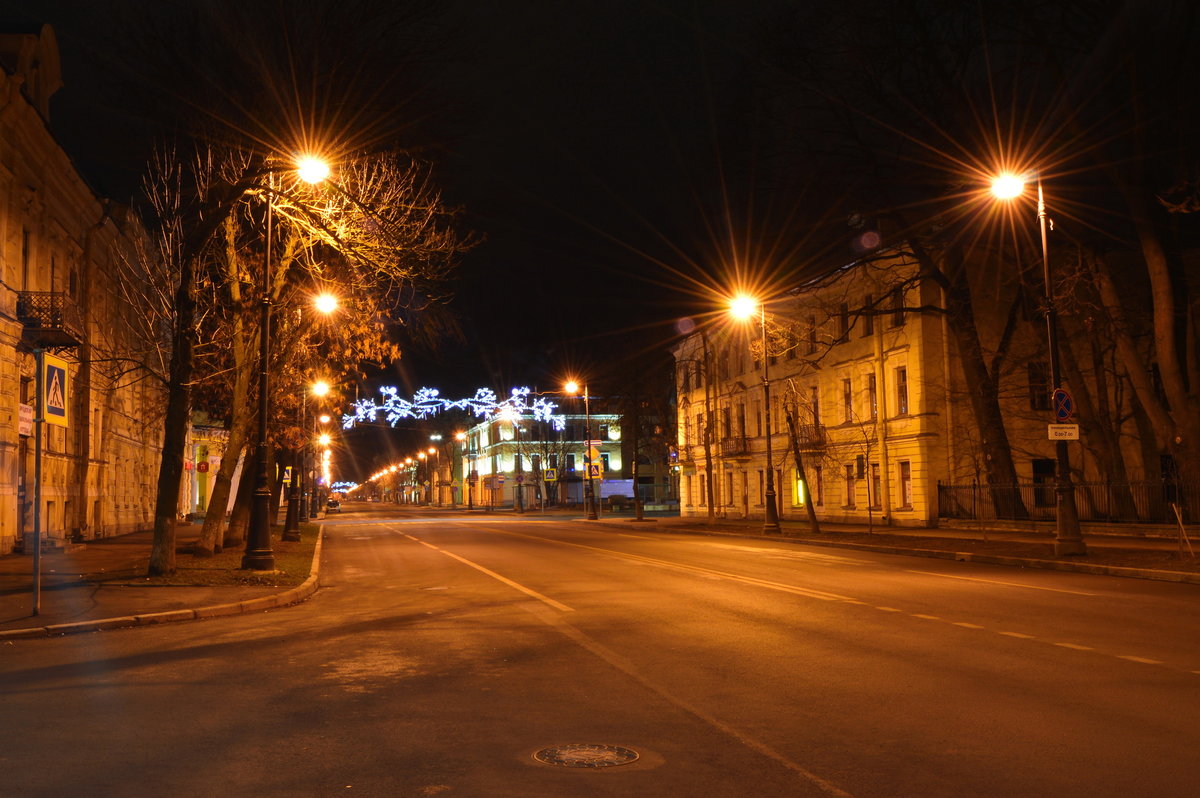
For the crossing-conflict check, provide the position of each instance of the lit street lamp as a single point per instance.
(744, 307)
(1067, 538)
(572, 387)
(258, 555)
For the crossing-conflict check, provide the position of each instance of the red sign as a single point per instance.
(202, 467)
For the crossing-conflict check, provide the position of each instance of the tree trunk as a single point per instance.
(801, 474)
(175, 425)
(212, 532)
(239, 518)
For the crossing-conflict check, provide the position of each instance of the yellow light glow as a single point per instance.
(460, 436)
(324, 419)
(432, 450)
(571, 387)
(421, 455)
(320, 388)
(325, 303)
(743, 307)
(312, 169)
(1008, 186)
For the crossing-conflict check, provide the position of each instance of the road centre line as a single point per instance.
(999, 582)
(527, 591)
(694, 569)
(821, 595)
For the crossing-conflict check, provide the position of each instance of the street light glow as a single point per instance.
(312, 169)
(743, 306)
(571, 387)
(1008, 186)
(326, 303)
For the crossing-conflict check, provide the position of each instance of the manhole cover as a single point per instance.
(586, 755)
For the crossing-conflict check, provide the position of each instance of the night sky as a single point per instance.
(580, 140)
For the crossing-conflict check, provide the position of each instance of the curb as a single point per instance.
(1183, 577)
(283, 599)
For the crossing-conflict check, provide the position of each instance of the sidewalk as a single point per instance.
(96, 587)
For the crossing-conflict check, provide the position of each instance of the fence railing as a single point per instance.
(1130, 502)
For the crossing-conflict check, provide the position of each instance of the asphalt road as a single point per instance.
(441, 654)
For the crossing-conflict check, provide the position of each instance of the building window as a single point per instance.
(843, 322)
(847, 401)
(758, 419)
(906, 485)
(554, 461)
(902, 391)
(741, 420)
(898, 307)
(815, 403)
(799, 496)
(604, 466)
(868, 316)
(762, 490)
(849, 486)
(1039, 385)
(570, 462)
(729, 488)
(876, 497)
(812, 335)
(873, 396)
(603, 433)
(818, 485)
(726, 423)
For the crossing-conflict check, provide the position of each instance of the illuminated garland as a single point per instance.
(427, 402)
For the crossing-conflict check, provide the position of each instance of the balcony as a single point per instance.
(51, 319)
(811, 437)
(737, 447)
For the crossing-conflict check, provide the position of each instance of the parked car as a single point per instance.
(333, 506)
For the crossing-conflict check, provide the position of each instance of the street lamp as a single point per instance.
(461, 437)
(258, 555)
(315, 489)
(1067, 537)
(436, 453)
(326, 304)
(572, 387)
(745, 308)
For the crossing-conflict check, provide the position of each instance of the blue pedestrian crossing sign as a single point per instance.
(593, 471)
(54, 391)
(550, 474)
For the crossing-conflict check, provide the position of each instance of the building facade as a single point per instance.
(859, 404)
(60, 247)
(514, 461)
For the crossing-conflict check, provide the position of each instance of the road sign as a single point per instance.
(1063, 404)
(551, 474)
(1063, 432)
(594, 471)
(594, 454)
(54, 391)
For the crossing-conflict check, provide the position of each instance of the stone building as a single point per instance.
(61, 247)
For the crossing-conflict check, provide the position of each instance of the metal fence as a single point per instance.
(1132, 502)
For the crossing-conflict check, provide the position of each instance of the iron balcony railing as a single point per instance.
(51, 318)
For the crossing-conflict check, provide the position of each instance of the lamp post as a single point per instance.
(1068, 540)
(258, 555)
(589, 501)
(314, 489)
(460, 437)
(326, 304)
(436, 453)
(744, 307)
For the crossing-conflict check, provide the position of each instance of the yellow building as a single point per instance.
(863, 382)
(60, 249)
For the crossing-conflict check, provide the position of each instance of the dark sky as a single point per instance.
(581, 140)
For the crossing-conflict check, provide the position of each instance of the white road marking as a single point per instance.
(1074, 647)
(1142, 660)
(999, 582)
(527, 591)
(1018, 635)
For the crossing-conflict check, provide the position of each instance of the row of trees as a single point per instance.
(896, 115)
